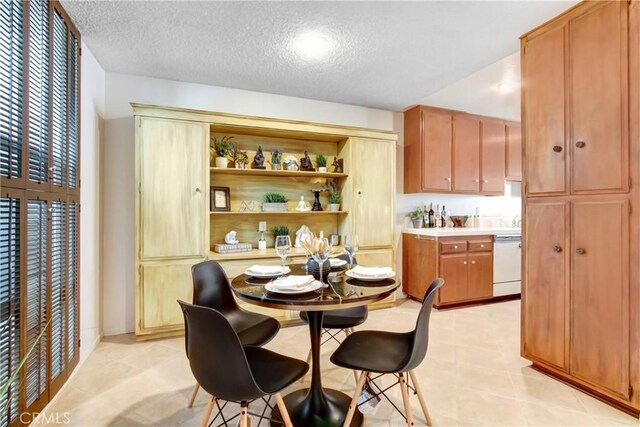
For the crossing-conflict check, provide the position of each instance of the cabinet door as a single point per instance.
(545, 289)
(600, 295)
(418, 269)
(160, 286)
(514, 152)
(172, 171)
(454, 271)
(599, 99)
(493, 157)
(466, 154)
(373, 183)
(543, 79)
(436, 152)
(480, 275)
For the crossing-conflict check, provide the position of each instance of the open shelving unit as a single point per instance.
(277, 173)
(280, 213)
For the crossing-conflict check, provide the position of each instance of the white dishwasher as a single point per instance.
(507, 256)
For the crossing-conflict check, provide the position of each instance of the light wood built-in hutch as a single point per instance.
(175, 228)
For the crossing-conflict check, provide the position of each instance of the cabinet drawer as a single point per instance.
(453, 247)
(480, 246)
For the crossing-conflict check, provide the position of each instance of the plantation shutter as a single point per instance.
(58, 288)
(39, 91)
(11, 87)
(73, 111)
(73, 240)
(36, 316)
(10, 315)
(59, 101)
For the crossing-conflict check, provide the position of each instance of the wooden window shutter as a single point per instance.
(11, 88)
(58, 288)
(59, 120)
(73, 246)
(73, 110)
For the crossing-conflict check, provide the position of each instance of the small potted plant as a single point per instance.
(276, 159)
(334, 197)
(241, 159)
(280, 230)
(321, 161)
(274, 202)
(222, 147)
(417, 217)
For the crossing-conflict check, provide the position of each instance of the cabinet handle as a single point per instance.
(581, 144)
(464, 262)
(482, 246)
(455, 247)
(557, 249)
(557, 148)
(473, 262)
(197, 190)
(485, 181)
(581, 251)
(448, 179)
(476, 180)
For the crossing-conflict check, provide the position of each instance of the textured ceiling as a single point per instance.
(387, 54)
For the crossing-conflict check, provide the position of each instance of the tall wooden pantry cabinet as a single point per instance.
(176, 227)
(581, 130)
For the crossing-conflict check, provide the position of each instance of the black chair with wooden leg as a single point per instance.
(336, 321)
(211, 289)
(379, 352)
(233, 373)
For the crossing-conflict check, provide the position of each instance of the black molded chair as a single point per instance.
(389, 353)
(231, 372)
(336, 321)
(211, 288)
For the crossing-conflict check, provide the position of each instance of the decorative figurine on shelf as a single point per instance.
(302, 205)
(337, 165)
(258, 160)
(290, 163)
(230, 238)
(302, 234)
(305, 163)
(262, 228)
(317, 207)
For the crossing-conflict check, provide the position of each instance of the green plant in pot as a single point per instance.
(241, 158)
(417, 217)
(222, 147)
(274, 202)
(276, 159)
(280, 230)
(334, 196)
(321, 161)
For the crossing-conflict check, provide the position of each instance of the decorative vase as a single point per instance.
(275, 207)
(276, 166)
(221, 162)
(334, 207)
(240, 165)
(417, 223)
(322, 169)
(312, 268)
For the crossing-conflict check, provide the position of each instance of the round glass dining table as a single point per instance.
(316, 406)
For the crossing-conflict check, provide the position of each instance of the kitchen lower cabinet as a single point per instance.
(480, 275)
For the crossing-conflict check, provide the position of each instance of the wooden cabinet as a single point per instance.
(455, 152)
(514, 152)
(492, 172)
(581, 110)
(466, 154)
(465, 263)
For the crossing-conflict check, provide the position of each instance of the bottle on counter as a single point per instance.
(444, 217)
(438, 217)
(425, 217)
(432, 221)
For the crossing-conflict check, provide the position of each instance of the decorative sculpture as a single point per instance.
(305, 163)
(337, 165)
(317, 207)
(302, 233)
(230, 238)
(258, 160)
(302, 205)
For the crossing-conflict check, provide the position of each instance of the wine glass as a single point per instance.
(320, 254)
(351, 247)
(283, 248)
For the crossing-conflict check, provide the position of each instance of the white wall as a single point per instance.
(92, 111)
(118, 161)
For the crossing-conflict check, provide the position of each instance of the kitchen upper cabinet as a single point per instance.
(514, 152)
(436, 151)
(546, 283)
(600, 294)
(599, 99)
(466, 154)
(492, 172)
(543, 67)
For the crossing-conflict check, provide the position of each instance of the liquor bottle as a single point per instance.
(432, 222)
(425, 217)
(444, 217)
(437, 217)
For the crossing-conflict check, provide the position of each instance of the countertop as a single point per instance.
(462, 231)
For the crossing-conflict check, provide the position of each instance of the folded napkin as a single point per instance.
(360, 270)
(265, 269)
(292, 282)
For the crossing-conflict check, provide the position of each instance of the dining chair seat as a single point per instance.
(341, 319)
(272, 371)
(253, 328)
(374, 351)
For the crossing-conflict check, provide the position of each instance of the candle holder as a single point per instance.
(316, 204)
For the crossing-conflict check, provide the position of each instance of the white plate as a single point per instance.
(369, 278)
(337, 262)
(313, 286)
(287, 270)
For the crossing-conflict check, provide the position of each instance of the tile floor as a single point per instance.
(472, 375)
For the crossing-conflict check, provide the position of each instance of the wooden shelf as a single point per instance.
(280, 213)
(269, 172)
(267, 253)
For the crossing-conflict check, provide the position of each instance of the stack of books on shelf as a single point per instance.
(224, 248)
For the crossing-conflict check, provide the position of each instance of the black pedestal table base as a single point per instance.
(315, 406)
